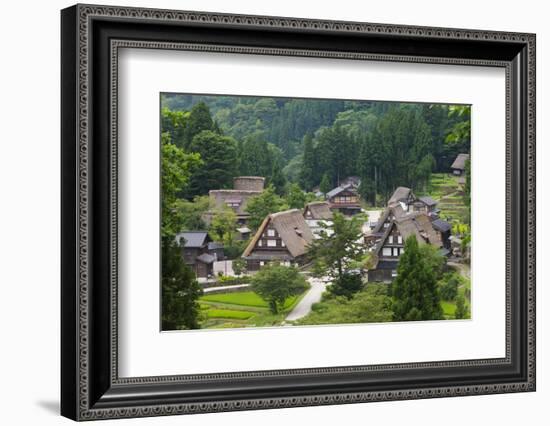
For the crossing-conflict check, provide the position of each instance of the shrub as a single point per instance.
(449, 287)
(347, 285)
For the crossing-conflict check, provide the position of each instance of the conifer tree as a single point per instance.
(415, 293)
(307, 173)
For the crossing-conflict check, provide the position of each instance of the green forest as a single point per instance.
(308, 141)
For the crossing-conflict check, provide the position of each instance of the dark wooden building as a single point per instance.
(282, 237)
(344, 199)
(199, 252)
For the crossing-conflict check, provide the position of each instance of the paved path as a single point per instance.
(312, 296)
(462, 268)
(224, 287)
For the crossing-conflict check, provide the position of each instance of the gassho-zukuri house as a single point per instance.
(459, 165)
(318, 216)
(405, 215)
(391, 245)
(244, 188)
(282, 237)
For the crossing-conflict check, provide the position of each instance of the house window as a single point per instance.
(262, 263)
(270, 232)
(399, 239)
(386, 251)
(259, 243)
(283, 243)
(393, 274)
(391, 239)
(272, 243)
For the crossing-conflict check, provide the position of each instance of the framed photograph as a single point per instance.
(263, 212)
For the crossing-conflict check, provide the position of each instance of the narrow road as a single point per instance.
(312, 296)
(462, 268)
(224, 288)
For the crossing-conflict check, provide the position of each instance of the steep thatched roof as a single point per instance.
(400, 194)
(291, 227)
(460, 161)
(320, 210)
(221, 197)
(393, 210)
(417, 224)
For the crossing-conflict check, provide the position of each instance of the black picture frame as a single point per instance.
(90, 386)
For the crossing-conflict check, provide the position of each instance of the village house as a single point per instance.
(392, 244)
(402, 203)
(344, 199)
(351, 180)
(317, 214)
(459, 165)
(426, 205)
(282, 237)
(199, 252)
(244, 188)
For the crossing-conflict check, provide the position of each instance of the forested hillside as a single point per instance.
(310, 141)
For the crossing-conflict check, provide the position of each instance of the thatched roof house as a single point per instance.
(459, 165)
(392, 243)
(401, 195)
(282, 237)
(318, 210)
(245, 187)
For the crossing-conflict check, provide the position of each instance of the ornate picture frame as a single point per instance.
(91, 386)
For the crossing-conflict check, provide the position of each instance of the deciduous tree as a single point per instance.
(276, 283)
(262, 205)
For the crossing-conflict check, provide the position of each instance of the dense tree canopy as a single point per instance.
(310, 142)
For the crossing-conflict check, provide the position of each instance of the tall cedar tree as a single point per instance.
(199, 120)
(414, 291)
(307, 172)
(218, 154)
(325, 185)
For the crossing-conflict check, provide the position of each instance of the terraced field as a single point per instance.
(241, 309)
(445, 189)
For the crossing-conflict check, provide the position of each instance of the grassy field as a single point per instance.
(449, 307)
(241, 309)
